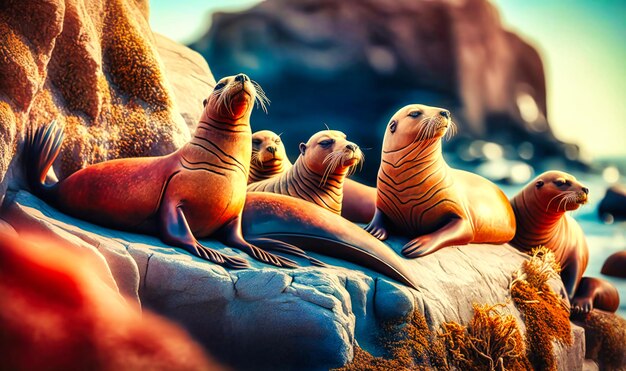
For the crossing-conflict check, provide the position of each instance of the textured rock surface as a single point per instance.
(303, 318)
(351, 64)
(96, 67)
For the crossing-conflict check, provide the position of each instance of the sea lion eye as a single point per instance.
(256, 141)
(392, 126)
(326, 142)
(415, 114)
(560, 182)
(277, 141)
(219, 86)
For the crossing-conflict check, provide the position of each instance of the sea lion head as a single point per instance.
(267, 149)
(416, 123)
(233, 97)
(558, 191)
(329, 152)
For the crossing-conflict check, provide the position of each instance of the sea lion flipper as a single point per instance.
(378, 226)
(234, 239)
(456, 232)
(176, 232)
(287, 248)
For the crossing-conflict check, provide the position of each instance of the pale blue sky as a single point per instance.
(582, 43)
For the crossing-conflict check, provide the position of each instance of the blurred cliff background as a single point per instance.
(531, 86)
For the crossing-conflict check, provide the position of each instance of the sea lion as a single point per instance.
(421, 197)
(319, 172)
(540, 211)
(269, 160)
(197, 191)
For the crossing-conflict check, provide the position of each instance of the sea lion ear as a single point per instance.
(204, 102)
(539, 183)
(302, 148)
(392, 126)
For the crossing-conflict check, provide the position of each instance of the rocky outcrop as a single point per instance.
(306, 318)
(95, 67)
(351, 64)
(613, 205)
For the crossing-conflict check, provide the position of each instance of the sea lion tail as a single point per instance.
(41, 148)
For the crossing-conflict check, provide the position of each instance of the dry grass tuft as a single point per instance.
(546, 318)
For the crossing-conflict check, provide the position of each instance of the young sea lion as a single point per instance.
(421, 197)
(319, 172)
(197, 191)
(269, 160)
(540, 211)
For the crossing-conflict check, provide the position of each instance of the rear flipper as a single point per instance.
(594, 293)
(175, 231)
(41, 148)
(285, 248)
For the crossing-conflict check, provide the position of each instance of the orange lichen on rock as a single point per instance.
(490, 341)
(131, 63)
(545, 315)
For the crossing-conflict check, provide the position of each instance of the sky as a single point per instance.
(582, 44)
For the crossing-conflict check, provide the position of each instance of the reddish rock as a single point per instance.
(94, 66)
(613, 205)
(615, 265)
(352, 63)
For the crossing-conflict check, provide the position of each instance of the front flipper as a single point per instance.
(175, 231)
(456, 232)
(378, 226)
(286, 248)
(234, 239)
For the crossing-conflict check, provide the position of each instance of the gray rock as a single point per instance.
(305, 318)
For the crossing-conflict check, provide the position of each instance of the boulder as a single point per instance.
(613, 205)
(351, 64)
(96, 68)
(615, 265)
(305, 318)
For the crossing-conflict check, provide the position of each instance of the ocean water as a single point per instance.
(603, 239)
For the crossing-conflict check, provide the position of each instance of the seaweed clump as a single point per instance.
(605, 337)
(545, 315)
(490, 341)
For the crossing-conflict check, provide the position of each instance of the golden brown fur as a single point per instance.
(421, 197)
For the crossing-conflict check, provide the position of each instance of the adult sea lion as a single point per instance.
(269, 160)
(540, 211)
(197, 191)
(319, 172)
(421, 197)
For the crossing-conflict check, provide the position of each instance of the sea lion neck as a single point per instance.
(327, 193)
(531, 215)
(422, 151)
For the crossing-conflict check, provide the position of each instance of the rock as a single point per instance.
(613, 205)
(615, 265)
(95, 67)
(351, 64)
(189, 75)
(305, 318)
